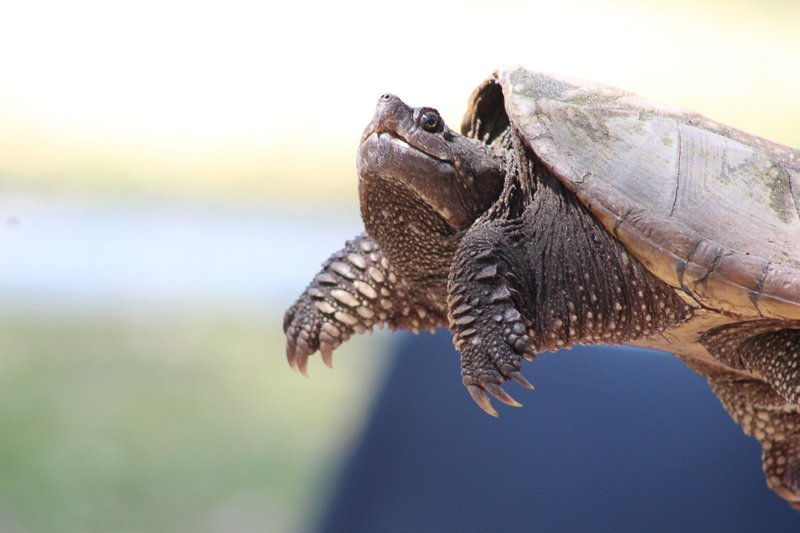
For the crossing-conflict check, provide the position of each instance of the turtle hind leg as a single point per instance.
(765, 415)
(767, 411)
(769, 348)
(782, 458)
(778, 432)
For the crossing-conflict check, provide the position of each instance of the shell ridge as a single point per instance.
(682, 266)
(678, 173)
(794, 190)
(756, 292)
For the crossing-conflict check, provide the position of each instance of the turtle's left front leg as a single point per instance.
(356, 290)
(487, 313)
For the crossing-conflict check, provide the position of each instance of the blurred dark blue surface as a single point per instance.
(611, 439)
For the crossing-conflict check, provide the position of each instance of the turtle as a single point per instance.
(570, 212)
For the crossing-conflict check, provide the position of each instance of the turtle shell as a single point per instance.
(706, 208)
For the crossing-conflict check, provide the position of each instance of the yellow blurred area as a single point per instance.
(40, 155)
(270, 100)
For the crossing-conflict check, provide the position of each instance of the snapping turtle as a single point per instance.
(572, 212)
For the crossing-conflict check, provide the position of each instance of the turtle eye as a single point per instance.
(430, 121)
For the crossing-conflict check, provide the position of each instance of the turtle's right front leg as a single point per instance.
(355, 290)
(487, 315)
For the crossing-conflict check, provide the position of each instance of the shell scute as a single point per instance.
(705, 207)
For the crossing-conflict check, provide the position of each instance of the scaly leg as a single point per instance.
(488, 328)
(765, 415)
(356, 290)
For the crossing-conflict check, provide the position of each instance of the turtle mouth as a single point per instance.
(383, 136)
(393, 137)
(403, 144)
(402, 165)
(389, 152)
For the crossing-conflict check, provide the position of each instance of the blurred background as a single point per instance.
(172, 174)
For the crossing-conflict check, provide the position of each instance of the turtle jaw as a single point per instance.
(409, 211)
(456, 177)
(389, 158)
(399, 120)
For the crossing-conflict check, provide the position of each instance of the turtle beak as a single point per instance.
(456, 176)
(391, 115)
(395, 118)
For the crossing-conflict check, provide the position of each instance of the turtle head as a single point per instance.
(409, 156)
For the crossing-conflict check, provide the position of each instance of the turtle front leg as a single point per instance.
(487, 316)
(355, 290)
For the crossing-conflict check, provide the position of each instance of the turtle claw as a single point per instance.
(481, 399)
(298, 348)
(527, 352)
(516, 376)
(302, 349)
(497, 391)
(326, 349)
(291, 348)
(301, 359)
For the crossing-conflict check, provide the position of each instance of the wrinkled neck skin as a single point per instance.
(417, 240)
(421, 191)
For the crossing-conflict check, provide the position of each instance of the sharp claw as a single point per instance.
(302, 361)
(528, 353)
(301, 354)
(326, 349)
(291, 349)
(516, 376)
(481, 399)
(497, 391)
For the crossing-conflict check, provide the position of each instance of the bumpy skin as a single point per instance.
(480, 234)
(542, 274)
(765, 415)
(355, 291)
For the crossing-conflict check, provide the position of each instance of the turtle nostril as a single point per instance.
(385, 97)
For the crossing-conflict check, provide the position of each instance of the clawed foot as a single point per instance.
(492, 337)
(355, 291)
(308, 330)
(350, 295)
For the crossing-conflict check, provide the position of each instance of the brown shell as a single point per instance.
(707, 208)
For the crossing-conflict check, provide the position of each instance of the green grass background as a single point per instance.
(184, 423)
